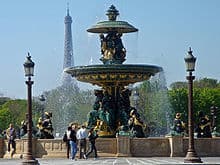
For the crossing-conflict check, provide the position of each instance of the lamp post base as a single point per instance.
(192, 157)
(30, 162)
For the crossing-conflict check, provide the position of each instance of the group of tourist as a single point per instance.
(76, 139)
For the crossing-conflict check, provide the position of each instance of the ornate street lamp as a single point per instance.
(191, 156)
(42, 99)
(29, 71)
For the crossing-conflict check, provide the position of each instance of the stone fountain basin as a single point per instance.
(113, 74)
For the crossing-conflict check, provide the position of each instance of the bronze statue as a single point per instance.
(112, 49)
(204, 126)
(178, 125)
(136, 124)
(23, 129)
(45, 127)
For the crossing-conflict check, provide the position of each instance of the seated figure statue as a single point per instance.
(203, 129)
(93, 116)
(47, 126)
(23, 129)
(135, 124)
(178, 125)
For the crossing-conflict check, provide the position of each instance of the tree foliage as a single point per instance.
(205, 92)
(12, 111)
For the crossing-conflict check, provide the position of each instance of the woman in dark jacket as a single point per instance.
(92, 137)
(73, 145)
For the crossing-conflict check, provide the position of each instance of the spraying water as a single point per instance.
(160, 109)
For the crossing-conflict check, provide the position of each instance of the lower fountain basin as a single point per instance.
(114, 74)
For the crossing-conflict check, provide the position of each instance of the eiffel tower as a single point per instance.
(68, 51)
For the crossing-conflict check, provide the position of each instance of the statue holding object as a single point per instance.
(112, 49)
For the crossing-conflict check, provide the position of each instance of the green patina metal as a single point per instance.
(112, 24)
(107, 26)
(112, 109)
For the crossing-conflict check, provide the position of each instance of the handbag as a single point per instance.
(65, 137)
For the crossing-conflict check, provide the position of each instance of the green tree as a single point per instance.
(204, 94)
(178, 98)
(12, 111)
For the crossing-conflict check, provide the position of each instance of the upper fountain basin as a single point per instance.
(116, 26)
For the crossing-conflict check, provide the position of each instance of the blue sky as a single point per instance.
(166, 30)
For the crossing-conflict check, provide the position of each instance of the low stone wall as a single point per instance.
(146, 147)
(121, 146)
(204, 146)
(50, 148)
(56, 148)
(106, 146)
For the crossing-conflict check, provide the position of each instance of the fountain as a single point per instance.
(112, 108)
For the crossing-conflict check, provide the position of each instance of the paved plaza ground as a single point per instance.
(114, 161)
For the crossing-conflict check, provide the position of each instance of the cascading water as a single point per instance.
(163, 106)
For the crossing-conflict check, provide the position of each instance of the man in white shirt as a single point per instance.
(81, 136)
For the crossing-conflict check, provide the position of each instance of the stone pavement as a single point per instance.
(114, 161)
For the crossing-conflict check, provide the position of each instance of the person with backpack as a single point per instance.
(66, 139)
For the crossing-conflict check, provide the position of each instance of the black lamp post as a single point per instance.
(29, 71)
(42, 99)
(191, 156)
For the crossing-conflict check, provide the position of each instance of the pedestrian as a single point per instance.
(92, 138)
(11, 135)
(73, 144)
(81, 137)
(66, 139)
